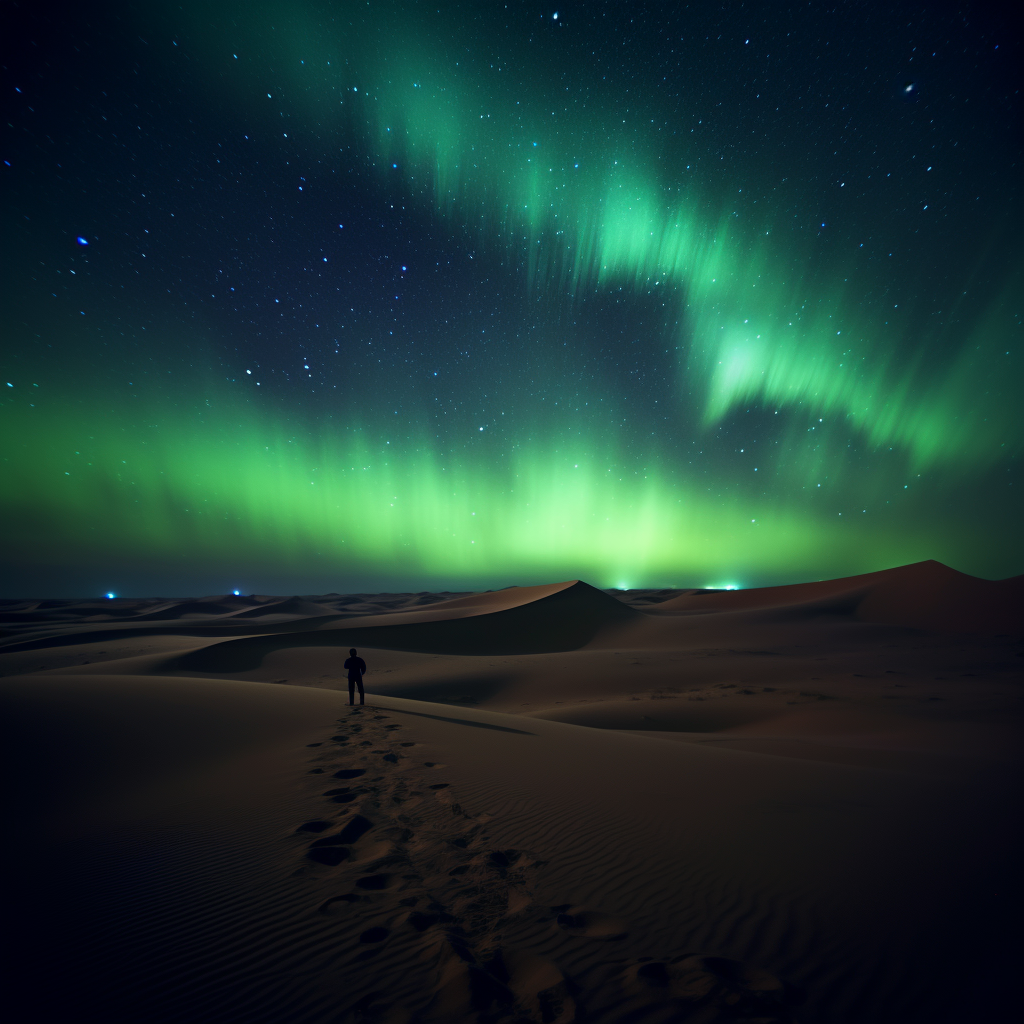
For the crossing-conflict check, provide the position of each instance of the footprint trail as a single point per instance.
(418, 885)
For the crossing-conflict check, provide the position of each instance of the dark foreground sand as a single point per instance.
(795, 804)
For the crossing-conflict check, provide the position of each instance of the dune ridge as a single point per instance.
(520, 620)
(925, 595)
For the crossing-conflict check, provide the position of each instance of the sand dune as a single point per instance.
(560, 804)
(926, 595)
(570, 856)
(520, 620)
(289, 606)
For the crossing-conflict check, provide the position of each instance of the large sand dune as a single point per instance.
(928, 595)
(559, 804)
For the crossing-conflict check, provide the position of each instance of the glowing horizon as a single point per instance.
(441, 306)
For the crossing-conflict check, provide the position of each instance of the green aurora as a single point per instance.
(826, 409)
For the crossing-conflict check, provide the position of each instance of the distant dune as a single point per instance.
(789, 804)
(926, 595)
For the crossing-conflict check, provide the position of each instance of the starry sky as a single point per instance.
(324, 296)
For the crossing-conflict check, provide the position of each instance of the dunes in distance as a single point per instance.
(559, 804)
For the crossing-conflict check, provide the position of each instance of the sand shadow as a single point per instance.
(563, 621)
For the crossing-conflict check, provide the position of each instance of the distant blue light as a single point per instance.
(82, 241)
(111, 596)
(237, 593)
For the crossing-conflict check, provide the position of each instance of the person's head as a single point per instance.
(352, 651)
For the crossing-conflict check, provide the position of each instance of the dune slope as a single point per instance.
(925, 595)
(562, 617)
(235, 851)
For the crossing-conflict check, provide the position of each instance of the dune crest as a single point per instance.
(520, 620)
(924, 595)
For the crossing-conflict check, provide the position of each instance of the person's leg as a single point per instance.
(352, 691)
(362, 696)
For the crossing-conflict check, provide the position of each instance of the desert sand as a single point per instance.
(558, 804)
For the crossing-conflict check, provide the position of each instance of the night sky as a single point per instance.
(311, 296)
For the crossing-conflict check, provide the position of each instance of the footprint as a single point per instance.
(340, 739)
(374, 882)
(440, 785)
(314, 744)
(503, 860)
(408, 744)
(316, 771)
(357, 827)
(335, 840)
(539, 986)
(469, 991)
(590, 924)
(329, 855)
(329, 905)
(318, 825)
(421, 922)
(393, 758)
(348, 773)
(374, 935)
(692, 987)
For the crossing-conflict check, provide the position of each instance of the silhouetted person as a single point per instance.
(356, 667)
